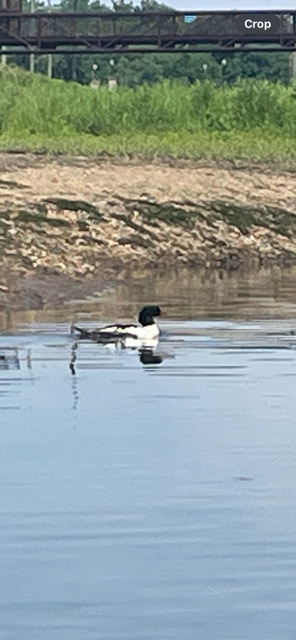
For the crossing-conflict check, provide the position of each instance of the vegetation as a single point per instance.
(251, 119)
(151, 68)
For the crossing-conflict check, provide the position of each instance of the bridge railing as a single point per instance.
(145, 27)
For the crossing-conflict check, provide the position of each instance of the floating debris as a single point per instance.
(9, 359)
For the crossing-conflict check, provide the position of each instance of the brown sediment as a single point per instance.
(79, 218)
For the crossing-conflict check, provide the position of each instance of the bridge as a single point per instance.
(120, 32)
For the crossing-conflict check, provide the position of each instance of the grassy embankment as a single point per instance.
(254, 121)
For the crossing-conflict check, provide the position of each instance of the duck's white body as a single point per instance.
(146, 330)
(131, 331)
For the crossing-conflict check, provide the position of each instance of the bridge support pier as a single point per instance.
(293, 67)
(32, 57)
(49, 65)
(3, 56)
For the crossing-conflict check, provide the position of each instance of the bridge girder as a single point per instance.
(138, 32)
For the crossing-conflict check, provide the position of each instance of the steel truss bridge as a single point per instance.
(119, 32)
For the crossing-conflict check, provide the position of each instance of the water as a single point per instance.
(151, 502)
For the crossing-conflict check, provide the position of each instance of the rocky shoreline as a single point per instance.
(79, 218)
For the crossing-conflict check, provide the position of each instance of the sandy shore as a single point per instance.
(81, 219)
(29, 178)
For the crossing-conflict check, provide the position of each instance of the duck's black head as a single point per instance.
(147, 315)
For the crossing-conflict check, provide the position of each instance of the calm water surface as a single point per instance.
(152, 502)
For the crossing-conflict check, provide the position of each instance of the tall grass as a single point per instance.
(252, 118)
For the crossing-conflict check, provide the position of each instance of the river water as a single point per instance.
(153, 501)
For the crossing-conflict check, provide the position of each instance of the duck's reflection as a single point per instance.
(75, 395)
(147, 356)
(146, 352)
(73, 358)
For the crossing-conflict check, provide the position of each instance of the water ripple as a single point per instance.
(149, 501)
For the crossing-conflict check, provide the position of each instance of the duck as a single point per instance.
(146, 329)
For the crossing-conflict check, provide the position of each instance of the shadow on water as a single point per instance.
(151, 495)
(185, 294)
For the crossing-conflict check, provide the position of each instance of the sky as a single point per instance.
(227, 5)
(222, 5)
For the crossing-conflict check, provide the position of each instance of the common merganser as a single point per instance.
(147, 329)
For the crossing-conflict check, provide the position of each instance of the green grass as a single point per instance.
(253, 120)
(255, 147)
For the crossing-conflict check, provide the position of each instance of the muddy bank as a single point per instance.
(35, 292)
(80, 218)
